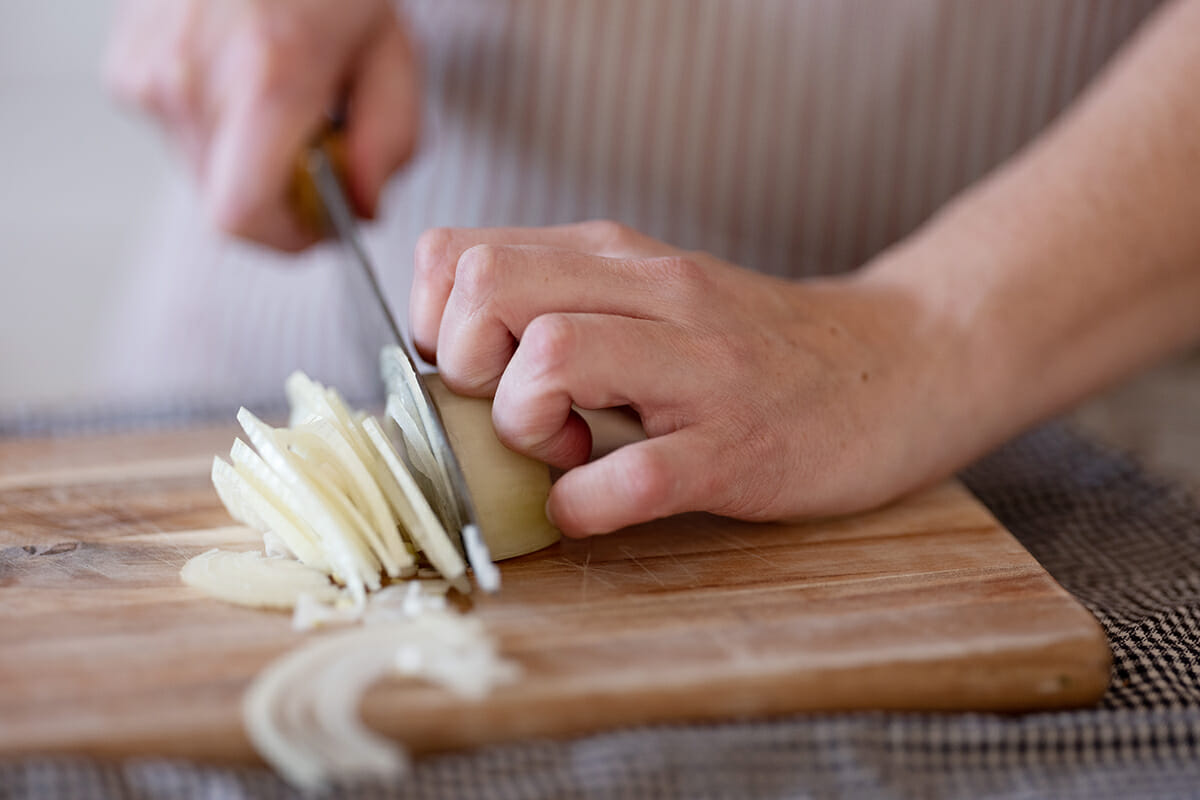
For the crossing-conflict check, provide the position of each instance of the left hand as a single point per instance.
(761, 398)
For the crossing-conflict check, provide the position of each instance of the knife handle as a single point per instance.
(302, 195)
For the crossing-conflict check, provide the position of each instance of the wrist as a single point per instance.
(964, 364)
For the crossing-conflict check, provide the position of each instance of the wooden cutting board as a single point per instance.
(927, 604)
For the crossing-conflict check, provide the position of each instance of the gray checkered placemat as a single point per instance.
(1127, 545)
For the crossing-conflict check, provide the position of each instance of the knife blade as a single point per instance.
(342, 224)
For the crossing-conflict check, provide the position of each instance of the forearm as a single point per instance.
(1078, 261)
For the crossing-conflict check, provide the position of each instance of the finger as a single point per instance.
(498, 290)
(439, 250)
(383, 112)
(270, 108)
(586, 360)
(250, 166)
(636, 483)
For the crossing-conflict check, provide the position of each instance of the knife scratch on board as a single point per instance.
(740, 544)
(686, 569)
(590, 573)
(625, 551)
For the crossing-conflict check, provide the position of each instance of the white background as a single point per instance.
(78, 177)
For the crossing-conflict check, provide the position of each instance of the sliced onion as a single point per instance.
(381, 531)
(252, 579)
(404, 385)
(234, 493)
(338, 542)
(270, 499)
(418, 457)
(301, 713)
(416, 514)
(348, 498)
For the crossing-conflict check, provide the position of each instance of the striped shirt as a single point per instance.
(792, 137)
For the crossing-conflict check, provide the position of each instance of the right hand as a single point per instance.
(242, 85)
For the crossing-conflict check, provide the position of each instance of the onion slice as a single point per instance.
(402, 383)
(417, 515)
(301, 713)
(252, 579)
(345, 549)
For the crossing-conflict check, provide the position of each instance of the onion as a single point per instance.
(346, 498)
(301, 712)
(349, 502)
(416, 513)
(252, 579)
(509, 489)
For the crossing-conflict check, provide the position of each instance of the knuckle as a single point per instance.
(477, 273)
(465, 376)
(457, 379)
(608, 235)
(549, 342)
(504, 421)
(514, 428)
(455, 366)
(176, 85)
(431, 256)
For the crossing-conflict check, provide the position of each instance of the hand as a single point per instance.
(242, 85)
(762, 399)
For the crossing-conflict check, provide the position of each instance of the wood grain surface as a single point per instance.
(927, 604)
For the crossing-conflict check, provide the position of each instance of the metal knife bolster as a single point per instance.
(342, 223)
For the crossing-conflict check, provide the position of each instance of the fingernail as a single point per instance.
(550, 515)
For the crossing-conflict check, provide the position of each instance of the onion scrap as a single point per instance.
(301, 712)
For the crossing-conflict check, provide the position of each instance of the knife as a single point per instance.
(322, 199)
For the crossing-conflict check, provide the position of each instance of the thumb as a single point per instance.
(636, 483)
(383, 108)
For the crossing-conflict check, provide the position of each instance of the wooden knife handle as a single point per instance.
(303, 197)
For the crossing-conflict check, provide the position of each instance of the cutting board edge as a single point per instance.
(988, 684)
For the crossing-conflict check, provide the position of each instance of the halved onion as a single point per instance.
(509, 489)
